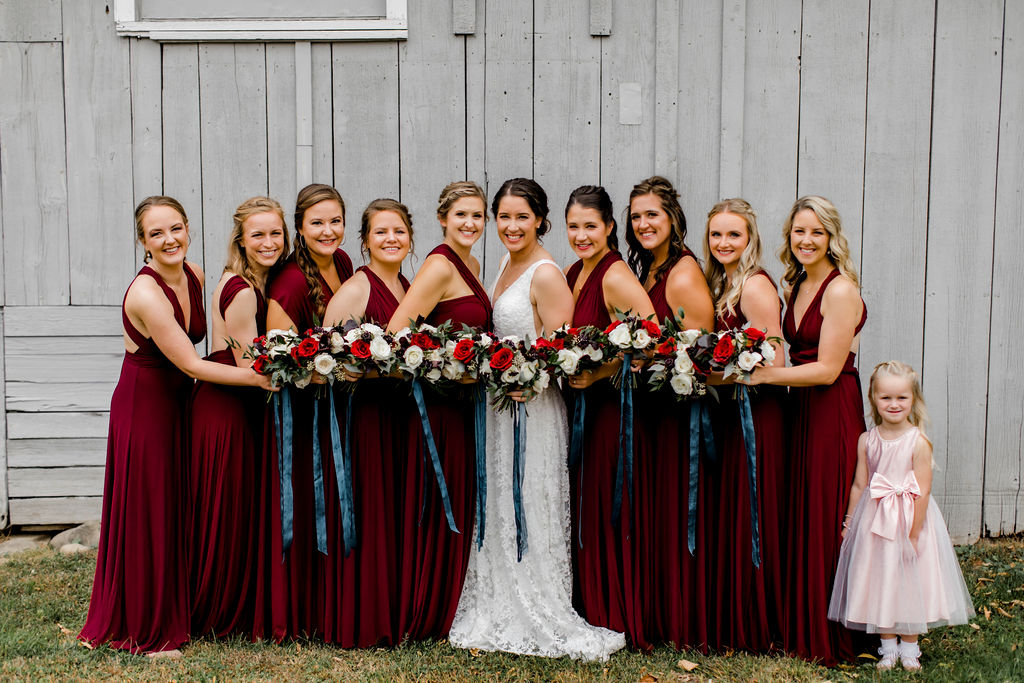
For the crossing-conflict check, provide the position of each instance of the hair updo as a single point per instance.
(533, 193)
(453, 192)
(380, 206)
(596, 197)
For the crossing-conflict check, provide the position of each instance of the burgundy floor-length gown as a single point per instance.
(224, 491)
(745, 603)
(825, 423)
(140, 590)
(674, 583)
(300, 585)
(605, 572)
(364, 593)
(434, 558)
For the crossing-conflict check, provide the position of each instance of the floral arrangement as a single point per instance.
(512, 365)
(733, 352)
(467, 353)
(363, 347)
(284, 356)
(569, 350)
(671, 365)
(420, 351)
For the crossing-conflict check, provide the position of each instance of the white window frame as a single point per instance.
(394, 26)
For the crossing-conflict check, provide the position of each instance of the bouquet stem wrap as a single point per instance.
(700, 430)
(318, 482)
(625, 439)
(518, 472)
(343, 472)
(750, 445)
(283, 428)
(480, 443)
(428, 434)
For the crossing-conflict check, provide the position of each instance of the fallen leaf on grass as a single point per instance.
(648, 679)
(65, 630)
(1004, 612)
(987, 612)
(867, 655)
(1013, 648)
(86, 645)
(982, 579)
(687, 665)
(975, 627)
(475, 651)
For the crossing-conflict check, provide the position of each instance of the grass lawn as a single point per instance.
(44, 596)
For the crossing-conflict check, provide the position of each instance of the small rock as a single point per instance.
(74, 549)
(16, 544)
(87, 534)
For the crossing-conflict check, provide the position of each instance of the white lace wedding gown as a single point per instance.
(526, 607)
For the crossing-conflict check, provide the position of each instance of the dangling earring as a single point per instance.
(148, 257)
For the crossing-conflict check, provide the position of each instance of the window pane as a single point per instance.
(260, 9)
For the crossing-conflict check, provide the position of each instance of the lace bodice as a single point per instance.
(513, 312)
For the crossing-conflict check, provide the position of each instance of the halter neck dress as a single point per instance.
(139, 597)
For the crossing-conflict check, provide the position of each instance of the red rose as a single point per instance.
(573, 331)
(557, 344)
(307, 348)
(667, 347)
(754, 336)
(652, 327)
(360, 349)
(612, 326)
(463, 350)
(423, 340)
(260, 364)
(502, 359)
(723, 350)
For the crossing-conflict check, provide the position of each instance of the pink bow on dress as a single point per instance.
(893, 501)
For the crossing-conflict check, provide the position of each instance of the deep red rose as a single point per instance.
(423, 340)
(667, 347)
(307, 348)
(612, 326)
(360, 349)
(463, 350)
(652, 327)
(723, 350)
(573, 331)
(541, 343)
(260, 341)
(502, 359)
(260, 364)
(557, 344)
(754, 336)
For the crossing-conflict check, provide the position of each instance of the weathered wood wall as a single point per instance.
(908, 115)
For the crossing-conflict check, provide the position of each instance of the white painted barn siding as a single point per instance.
(908, 115)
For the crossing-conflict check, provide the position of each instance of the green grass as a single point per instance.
(44, 596)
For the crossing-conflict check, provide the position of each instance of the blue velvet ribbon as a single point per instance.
(579, 414)
(700, 430)
(625, 461)
(318, 482)
(283, 427)
(750, 445)
(428, 435)
(342, 452)
(518, 472)
(480, 443)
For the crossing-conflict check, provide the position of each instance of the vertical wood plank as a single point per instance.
(667, 88)
(181, 138)
(833, 86)
(32, 175)
(770, 125)
(282, 121)
(567, 94)
(463, 17)
(734, 31)
(323, 114)
(233, 106)
(896, 181)
(303, 115)
(366, 144)
(147, 128)
(4, 509)
(474, 47)
(1004, 455)
(965, 124)
(600, 17)
(29, 22)
(99, 154)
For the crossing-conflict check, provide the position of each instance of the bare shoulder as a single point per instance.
(760, 287)
(922, 449)
(436, 265)
(841, 289)
(144, 294)
(474, 265)
(548, 278)
(196, 270)
(686, 273)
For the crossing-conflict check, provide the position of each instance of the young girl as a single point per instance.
(897, 573)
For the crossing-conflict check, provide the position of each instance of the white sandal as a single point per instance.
(890, 654)
(910, 655)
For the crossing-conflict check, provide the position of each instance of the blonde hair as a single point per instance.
(918, 411)
(147, 204)
(838, 248)
(238, 261)
(455, 191)
(725, 292)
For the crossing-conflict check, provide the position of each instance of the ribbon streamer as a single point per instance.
(318, 482)
(283, 428)
(518, 472)
(342, 453)
(700, 431)
(417, 394)
(579, 413)
(480, 442)
(750, 445)
(625, 461)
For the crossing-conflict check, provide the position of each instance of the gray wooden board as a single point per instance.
(56, 452)
(323, 113)
(67, 510)
(147, 126)
(30, 21)
(463, 17)
(600, 17)
(733, 42)
(960, 233)
(4, 457)
(62, 321)
(896, 181)
(281, 124)
(63, 397)
(667, 87)
(99, 154)
(46, 482)
(16, 347)
(32, 169)
(567, 105)
(48, 367)
(476, 109)
(51, 426)
(1004, 456)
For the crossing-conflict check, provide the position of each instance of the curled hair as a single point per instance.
(838, 249)
(725, 292)
(147, 204)
(379, 206)
(455, 191)
(238, 261)
(596, 197)
(640, 259)
(533, 193)
(309, 196)
(918, 411)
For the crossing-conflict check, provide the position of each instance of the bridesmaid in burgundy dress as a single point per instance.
(433, 557)
(225, 476)
(298, 298)
(140, 591)
(745, 604)
(365, 591)
(823, 319)
(674, 585)
(606, 574)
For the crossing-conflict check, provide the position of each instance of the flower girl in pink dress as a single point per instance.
(898, 574)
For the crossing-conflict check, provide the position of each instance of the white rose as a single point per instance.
(435, 355)
(380, 349)
(402, 333)
(768, 351)
(620, 337)
(337, 342)
(687, 337)
(372, 329)
(324, 363)
(641, 339)
(453, 370)
(682, 384)
(543, 380)
(449, 347)
(433, 375)
(278, 350)
(568, 360)
(748, 360)
(303, 382)
(427, 328)
(352, 335)
(486, 340)
(528, 372)
(682, 363)
(595, 354)
(413, 357)
(510, 376)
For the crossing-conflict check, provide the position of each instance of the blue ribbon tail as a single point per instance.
(318, 483)
(417, 394)
(750, 445)
(283, 427)
(480, 442)
(342, 452)
(518, 472)
(624, 465)
(708, 432)
(579, 414)
(691, 505)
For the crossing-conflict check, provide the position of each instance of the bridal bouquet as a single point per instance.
(420, 351)
(466, 353)
(733, 352)
(671, 365)
(569, 350)
(629, 335)
(285, 356)
(511, 366)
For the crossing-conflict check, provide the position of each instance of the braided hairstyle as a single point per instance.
(307, 197)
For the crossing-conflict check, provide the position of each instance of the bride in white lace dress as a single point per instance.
(525, 607)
